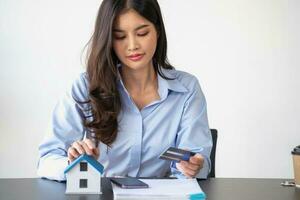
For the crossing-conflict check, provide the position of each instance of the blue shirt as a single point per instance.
(178, 118)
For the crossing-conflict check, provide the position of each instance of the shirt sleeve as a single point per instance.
(66, 126)
(194, 133)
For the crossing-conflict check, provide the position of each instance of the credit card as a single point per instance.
(175, 154)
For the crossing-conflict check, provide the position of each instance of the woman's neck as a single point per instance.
(139, 81)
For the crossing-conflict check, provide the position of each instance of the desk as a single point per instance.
(215, 188)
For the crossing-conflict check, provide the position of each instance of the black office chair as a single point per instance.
(214, 134)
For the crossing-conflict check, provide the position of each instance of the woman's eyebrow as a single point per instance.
(137, 28)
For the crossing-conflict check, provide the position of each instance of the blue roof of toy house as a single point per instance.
(89, 159)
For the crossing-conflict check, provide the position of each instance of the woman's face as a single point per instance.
(134, 40)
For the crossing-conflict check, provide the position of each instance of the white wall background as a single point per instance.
(244, 52)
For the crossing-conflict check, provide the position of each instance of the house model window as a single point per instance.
(83, 167)
(83, 183)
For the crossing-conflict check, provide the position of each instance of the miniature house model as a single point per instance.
(84, 176)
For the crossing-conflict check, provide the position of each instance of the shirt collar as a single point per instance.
(174, 84)
(163, 84)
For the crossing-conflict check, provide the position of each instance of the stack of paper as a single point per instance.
(173, 189)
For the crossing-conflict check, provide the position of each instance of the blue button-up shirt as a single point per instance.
(178, 119)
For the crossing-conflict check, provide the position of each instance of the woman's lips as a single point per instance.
(135, 57)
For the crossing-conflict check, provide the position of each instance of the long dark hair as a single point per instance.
(102, 63)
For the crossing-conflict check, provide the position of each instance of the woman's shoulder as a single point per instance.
(79, 88)
(188, 80)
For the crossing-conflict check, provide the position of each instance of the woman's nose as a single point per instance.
(132, 44)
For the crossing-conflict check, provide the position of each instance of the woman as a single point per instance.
(130, 101)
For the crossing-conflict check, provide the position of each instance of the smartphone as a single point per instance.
(129, 183)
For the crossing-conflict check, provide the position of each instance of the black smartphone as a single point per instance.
(129, 183)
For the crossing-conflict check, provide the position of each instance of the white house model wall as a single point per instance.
(93, 180)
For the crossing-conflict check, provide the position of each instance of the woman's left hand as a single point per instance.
(192, 167)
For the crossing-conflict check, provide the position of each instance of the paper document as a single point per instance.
(175, 189)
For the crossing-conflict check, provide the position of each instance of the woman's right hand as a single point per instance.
(82, 146)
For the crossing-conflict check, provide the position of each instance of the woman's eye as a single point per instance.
(143, 34)
(123, 37)
(119, 37)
